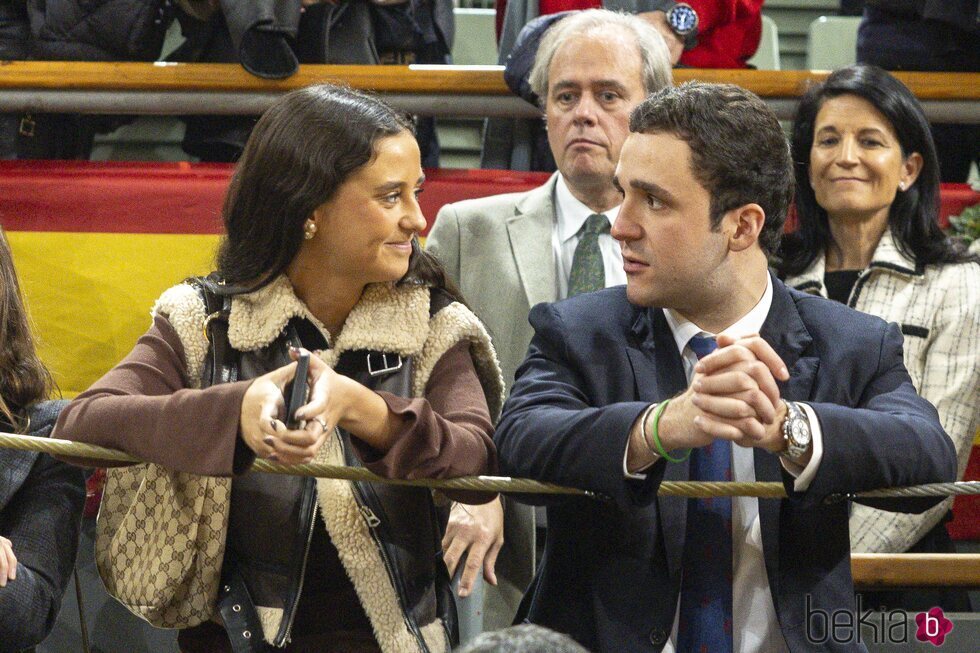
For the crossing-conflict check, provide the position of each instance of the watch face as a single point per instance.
(683, 19)
(801, 434)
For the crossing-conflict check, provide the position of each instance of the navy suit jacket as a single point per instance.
(610, 575)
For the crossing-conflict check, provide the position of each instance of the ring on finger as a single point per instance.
(321, 422)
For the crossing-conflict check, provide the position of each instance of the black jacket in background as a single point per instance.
(41, 501)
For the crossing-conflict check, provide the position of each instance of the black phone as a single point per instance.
(297, 391)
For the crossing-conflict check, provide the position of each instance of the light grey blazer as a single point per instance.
(498, 250)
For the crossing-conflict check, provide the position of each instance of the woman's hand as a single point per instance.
(477, 532)
(262, 428)
(336, 400)
(328, 402)
(8, 562)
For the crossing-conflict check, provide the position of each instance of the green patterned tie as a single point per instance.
(588, 272)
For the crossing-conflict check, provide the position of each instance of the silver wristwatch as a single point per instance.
(796, 433)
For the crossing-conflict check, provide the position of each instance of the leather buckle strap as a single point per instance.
(379, 363)
(240, 618)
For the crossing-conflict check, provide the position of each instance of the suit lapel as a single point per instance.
(659, 374)
(529, 231)
(785, 331)
(657, 367)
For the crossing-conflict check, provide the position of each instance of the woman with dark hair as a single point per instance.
(320, 255)
(867, 203)
(41, 499)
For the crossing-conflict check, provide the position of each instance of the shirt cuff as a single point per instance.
(639, 475)
(804, 475)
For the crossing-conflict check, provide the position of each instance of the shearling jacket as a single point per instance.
(938, 309)
(269, 540)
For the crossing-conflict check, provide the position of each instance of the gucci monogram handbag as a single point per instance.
(160, 534)
(160, 541)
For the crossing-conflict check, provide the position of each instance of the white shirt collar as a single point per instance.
(751, 322)
(571, 213)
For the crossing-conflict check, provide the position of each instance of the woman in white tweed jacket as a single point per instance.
(867, 202)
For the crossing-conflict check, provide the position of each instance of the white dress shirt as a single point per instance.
(756, 629)
(572, 214)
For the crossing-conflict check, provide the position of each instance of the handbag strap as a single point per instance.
(221, 361)
(234, 603)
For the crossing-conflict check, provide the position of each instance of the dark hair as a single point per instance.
(301, 150)
(525, 638)
(913, 216)
(23, 378)
(738, 151)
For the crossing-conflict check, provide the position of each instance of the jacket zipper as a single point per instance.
(373, 522)
(311, 516)
(371, 518)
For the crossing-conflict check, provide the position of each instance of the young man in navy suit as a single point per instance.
(705, 367)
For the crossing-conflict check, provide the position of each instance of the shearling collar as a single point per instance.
(387, 318)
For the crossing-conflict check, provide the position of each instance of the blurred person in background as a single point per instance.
(928, 35)
(270, 38)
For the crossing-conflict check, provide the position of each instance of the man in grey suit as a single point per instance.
(510, 252)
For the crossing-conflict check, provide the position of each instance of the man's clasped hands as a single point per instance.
(732, 396)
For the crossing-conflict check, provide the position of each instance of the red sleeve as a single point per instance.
(498, 20)
(728, 33)
(714, 13)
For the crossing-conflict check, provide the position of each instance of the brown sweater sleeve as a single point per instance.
(144, 406)
(448, 432)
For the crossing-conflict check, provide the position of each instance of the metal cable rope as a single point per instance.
(698, 489)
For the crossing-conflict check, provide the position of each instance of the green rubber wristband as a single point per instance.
(656, 435)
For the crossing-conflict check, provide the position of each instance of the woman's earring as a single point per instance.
(901, 186)
(309, 230)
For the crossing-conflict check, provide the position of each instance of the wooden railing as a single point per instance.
(126, 87)
(873, 571)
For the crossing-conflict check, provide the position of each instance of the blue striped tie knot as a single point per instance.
(702, 345)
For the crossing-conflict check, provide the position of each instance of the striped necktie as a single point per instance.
(705, 623)
(588, 272)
